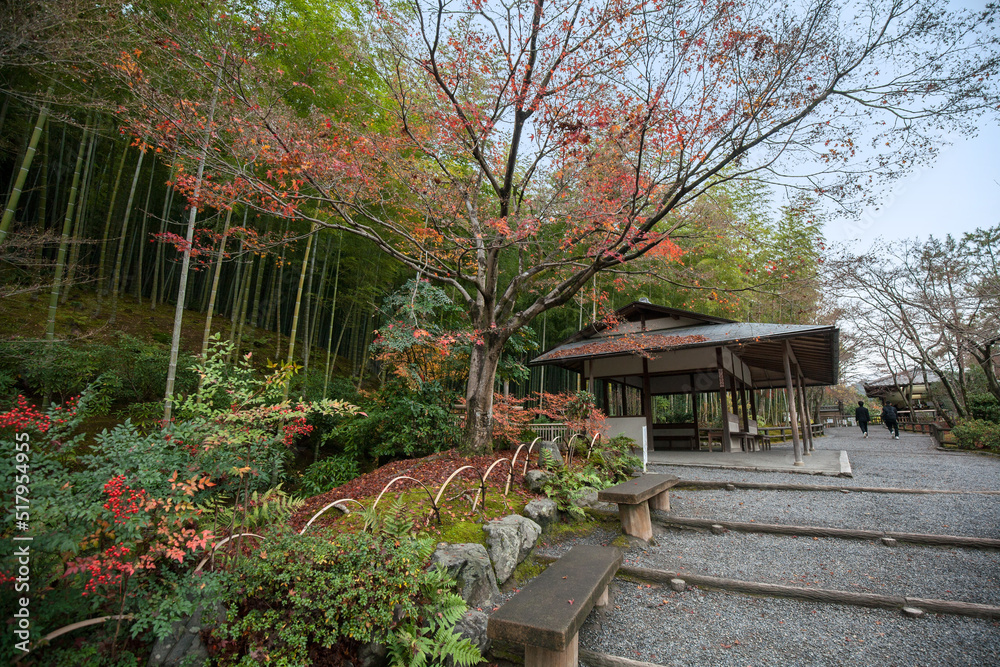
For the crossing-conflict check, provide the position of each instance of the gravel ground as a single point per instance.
(706, 627)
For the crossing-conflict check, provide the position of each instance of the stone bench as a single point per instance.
(635, 497)
(547, 614)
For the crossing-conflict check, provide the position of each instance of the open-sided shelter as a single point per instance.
(652, 350)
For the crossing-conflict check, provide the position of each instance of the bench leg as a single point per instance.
(635, 520)
(535, 656)
(603, 600)
(660, 501)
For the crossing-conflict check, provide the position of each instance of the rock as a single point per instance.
(717, 529)
(913, 612)
(542, 511)
(470, 565)
(373, 654)
(586, 497)
(534, 479)
(509, 541)
(472, 626)
(678, 585)
(889, 541)
(730, 487)
(183, 646)
(553, 453)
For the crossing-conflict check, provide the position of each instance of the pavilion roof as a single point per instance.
(760, 345)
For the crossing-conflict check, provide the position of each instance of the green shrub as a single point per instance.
(985, 407)
(977, 434)
(328, 474)
(399, 422)
(302, 593)
(128, 371)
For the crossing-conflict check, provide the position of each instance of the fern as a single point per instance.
(435, 642)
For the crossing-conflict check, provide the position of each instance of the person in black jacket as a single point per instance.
(890, 417)
(861, 414)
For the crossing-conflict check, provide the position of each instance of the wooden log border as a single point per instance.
(872, 600)
(770, 486)
(841, 533)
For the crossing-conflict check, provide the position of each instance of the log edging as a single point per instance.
(841, 533)
(772, 486)
(831, 596)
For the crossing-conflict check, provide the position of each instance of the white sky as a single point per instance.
(960, 192)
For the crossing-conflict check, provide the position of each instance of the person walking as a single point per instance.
(862, 417)
(890, 416)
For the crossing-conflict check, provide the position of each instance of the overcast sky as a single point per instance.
(960, 192)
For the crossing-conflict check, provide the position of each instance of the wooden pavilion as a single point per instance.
(655, 351)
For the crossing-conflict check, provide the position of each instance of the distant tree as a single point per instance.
(932, 305)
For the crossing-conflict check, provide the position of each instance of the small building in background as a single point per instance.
(908, 391)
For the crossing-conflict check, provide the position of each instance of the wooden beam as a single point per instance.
(792, 416)
(694, 413)
(727, 438)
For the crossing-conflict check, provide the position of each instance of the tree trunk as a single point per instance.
(309, 298)
(116, 276)
(142, 235)
(158, 279)
(215, 285)
(483, 361)
(333, 310)
(107, 229)
(22, 174)
(50, 326)
(79, 225)
(175, 341)
(298, 305)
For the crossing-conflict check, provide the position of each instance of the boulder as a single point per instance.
(373, 654)
(183, 646)
(586, 498)
(542, 511)
(470, 565)
(535, 479)
(551, 452)
(509, 541)
(472, 626)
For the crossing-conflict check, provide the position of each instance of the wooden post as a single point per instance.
(727, 441)
(635, 520)
(647, 403)
(806, 419)
(743, 405)
(803, 417)
(792, 416)
(694, 413)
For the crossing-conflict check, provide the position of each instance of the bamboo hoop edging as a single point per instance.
(75, 626)
(218, 544)
(333, 504)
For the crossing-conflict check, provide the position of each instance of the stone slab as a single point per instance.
(542, 614)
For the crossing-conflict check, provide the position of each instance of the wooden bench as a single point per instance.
(547, 614)
(635, 497)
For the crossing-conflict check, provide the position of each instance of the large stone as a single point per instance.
(470, 565)
(183, 646)
(535, 480)
(587, 498)
(542, 511)
(548, 450)
(509, 542)
(472, 626)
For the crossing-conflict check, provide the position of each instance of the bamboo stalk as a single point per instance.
(298, 305)
(22, 174)
(50, 325)
(215, 285)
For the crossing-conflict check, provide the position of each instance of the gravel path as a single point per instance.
(706, 627)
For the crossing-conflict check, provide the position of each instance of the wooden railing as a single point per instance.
(551, 431)
(782, 433)
(941, 434)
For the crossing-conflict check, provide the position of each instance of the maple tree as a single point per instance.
(511, 151)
